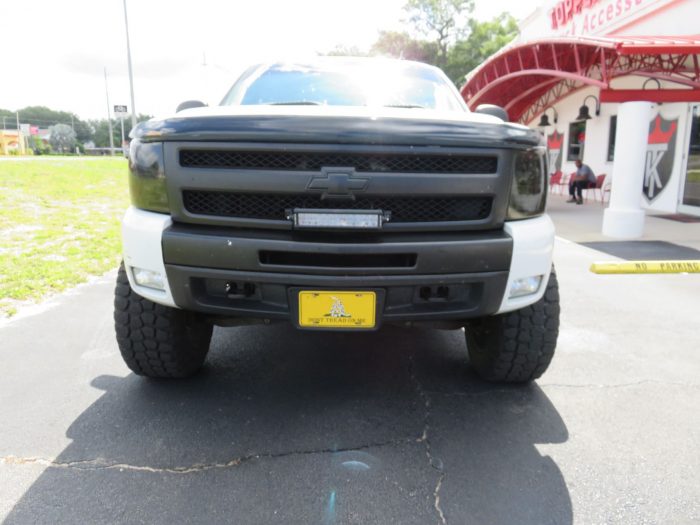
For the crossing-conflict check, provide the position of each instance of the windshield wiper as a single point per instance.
(407, 106)
(296, 103)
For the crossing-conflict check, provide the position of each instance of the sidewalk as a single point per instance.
(585, 224)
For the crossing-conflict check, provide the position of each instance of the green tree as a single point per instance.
(83, 131)
(399, 44)
(101, 130)
(460, 43)
(44, 117)
(39, 146)
(62, 138)
(441, 20)
(483, 40)
(8, 118)
(345, 51)
(100, 135)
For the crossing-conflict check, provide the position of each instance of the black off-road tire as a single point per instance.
(156, 340)
(516, 347)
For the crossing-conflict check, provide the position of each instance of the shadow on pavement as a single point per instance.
(290, 427)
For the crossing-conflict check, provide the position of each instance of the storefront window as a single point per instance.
(577, 139)
(611, 138)
(691, 189)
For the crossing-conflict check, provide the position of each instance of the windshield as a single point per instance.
(375, 83)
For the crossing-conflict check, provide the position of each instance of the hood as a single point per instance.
(337, 125)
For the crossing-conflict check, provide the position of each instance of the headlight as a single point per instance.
(528, 191)
(146, 176)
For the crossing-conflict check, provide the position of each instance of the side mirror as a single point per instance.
(494, 111)
(189, 104)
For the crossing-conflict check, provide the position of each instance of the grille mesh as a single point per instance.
(314, 161)
(274, 206)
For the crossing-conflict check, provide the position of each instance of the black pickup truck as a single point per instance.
(338, 194)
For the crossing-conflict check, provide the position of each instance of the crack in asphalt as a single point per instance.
(102, 464)
(434, 462)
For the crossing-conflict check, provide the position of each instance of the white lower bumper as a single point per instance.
(533, 243)
(142, 244)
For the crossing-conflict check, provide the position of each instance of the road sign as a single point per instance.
(120, 109)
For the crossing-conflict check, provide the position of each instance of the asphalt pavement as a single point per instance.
(290, 427)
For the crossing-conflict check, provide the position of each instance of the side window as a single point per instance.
(611, 138)
(577, 139)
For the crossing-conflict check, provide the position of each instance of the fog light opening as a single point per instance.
(525, 286)
(148, 278)
(241, 290)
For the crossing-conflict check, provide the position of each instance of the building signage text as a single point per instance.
(580, 17)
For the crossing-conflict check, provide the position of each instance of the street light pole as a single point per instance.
(131, 76)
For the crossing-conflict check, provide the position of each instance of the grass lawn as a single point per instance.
(59, 224)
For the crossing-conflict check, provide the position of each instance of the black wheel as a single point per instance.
(156, 340)
(518, 346)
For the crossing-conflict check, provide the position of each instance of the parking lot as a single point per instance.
(307, 174)
(289, 427)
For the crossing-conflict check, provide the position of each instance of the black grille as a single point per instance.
(314, 161)
(338, 260)
(275, 206)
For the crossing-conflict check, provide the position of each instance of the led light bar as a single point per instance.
(339, 219)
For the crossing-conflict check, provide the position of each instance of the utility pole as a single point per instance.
(25, 140)
(131, 76)
(18, 133)
(109, 118)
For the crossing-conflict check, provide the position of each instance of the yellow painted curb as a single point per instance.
(646, 267)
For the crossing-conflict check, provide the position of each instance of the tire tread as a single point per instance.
(156, 340)
(518, 346)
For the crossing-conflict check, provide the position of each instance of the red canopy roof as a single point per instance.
(527, 77)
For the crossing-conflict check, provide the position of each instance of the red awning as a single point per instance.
(527, 77)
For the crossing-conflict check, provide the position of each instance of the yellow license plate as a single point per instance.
(344, 309)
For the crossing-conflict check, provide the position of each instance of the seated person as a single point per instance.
(582, 179)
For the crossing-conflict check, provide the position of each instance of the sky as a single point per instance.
(55, 52)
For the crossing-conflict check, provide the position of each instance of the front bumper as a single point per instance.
(273, 295)
(421, 277)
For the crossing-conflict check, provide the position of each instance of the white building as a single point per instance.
(635, 65)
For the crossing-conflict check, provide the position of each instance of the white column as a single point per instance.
(625, 217)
